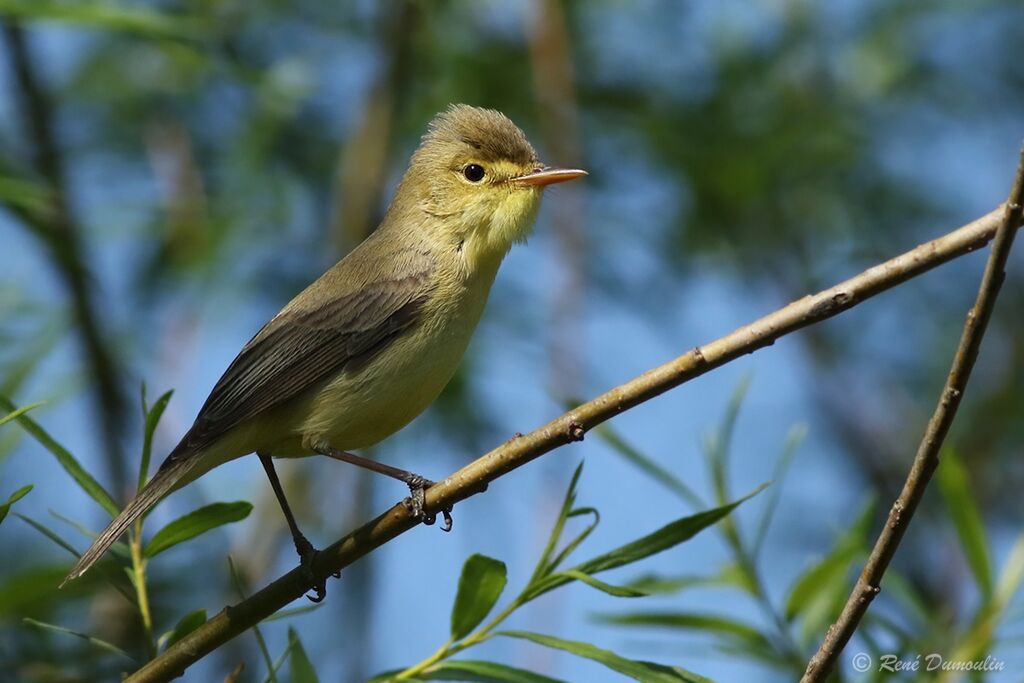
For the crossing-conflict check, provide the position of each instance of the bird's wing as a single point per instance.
(304, 345)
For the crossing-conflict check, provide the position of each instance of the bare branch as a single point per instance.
(927, 458)
(571, 426)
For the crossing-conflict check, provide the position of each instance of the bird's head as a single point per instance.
(478, 176)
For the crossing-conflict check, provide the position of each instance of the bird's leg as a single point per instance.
(302, 545)
(417, 484)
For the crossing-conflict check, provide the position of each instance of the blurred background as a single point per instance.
(172, 172)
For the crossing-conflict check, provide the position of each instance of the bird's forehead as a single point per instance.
(484, 133)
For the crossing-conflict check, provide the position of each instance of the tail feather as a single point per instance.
(162, 483)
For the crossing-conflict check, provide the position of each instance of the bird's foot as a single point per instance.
(416, 503)
(307, 554)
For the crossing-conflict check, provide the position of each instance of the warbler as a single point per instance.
(370, 344)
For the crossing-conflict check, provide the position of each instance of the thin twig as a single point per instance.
(571, 426)
(927, 458)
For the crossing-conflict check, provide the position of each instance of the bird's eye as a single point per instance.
(474, 173)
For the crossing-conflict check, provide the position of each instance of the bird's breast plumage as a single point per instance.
(358, 408)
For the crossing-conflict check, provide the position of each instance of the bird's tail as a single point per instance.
(165, 480)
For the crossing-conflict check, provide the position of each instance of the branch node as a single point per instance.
(699, 356)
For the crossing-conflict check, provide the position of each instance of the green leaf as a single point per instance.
(482, 672)
(49, 533)
(689, 621)
(954, 483)
(1012, 574)
(480, 585)
(649, 466)
(261, 642)
(102, 644)
(66, 460)
(647, 672)
(188, 623)
(564, 553)
(107, 16)
(301, 668)
(151, 417)
(610, 589)
(819, 593)
(31, 590)
(56, 538)
(14, 498)
(545, 564)
(14, 414)
(195, 523)
(25, 194)
(652, 584)
(719, 444)
(668, 536)
(796, 436)
(293, 612)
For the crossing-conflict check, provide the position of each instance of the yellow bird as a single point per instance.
(371, 343)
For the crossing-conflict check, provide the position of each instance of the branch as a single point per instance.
(927, 458)
(61, 234)
(571, 426)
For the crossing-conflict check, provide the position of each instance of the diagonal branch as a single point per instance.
(572, 426)
(927, 458)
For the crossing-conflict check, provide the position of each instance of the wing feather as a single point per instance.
(303, 346)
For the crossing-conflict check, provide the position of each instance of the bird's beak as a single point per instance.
(547, 176)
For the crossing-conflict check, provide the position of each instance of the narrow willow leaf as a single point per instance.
(152, 418)
(102, 644)
(107, 16)
(12, 499)
(649, 466)
(119, 548)
(647, 672)
(195, 523)
(301, 668)
(610, 589)
(276, 665)
(25, 194)
(653, 584)
(389, 677)
(545, 565)
(796, 436)
(482, 672)
(188, 623)
(260, 640)
(30, 590)
(818, 594)
(101, 569)
(66, 460)
(690, 621)
(480, 585)
(954, 484)
(293, 612)
(14, 414)
(719, 445)
(1012, 573)
(668, 536)
(582, 536)
(49, 533)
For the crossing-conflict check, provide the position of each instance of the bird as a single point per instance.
(371, 343)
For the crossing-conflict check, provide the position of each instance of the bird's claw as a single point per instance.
(307, 554)
(417, 505)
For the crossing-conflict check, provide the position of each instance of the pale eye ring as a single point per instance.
(474, 173)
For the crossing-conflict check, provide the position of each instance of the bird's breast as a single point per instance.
(359, 407)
